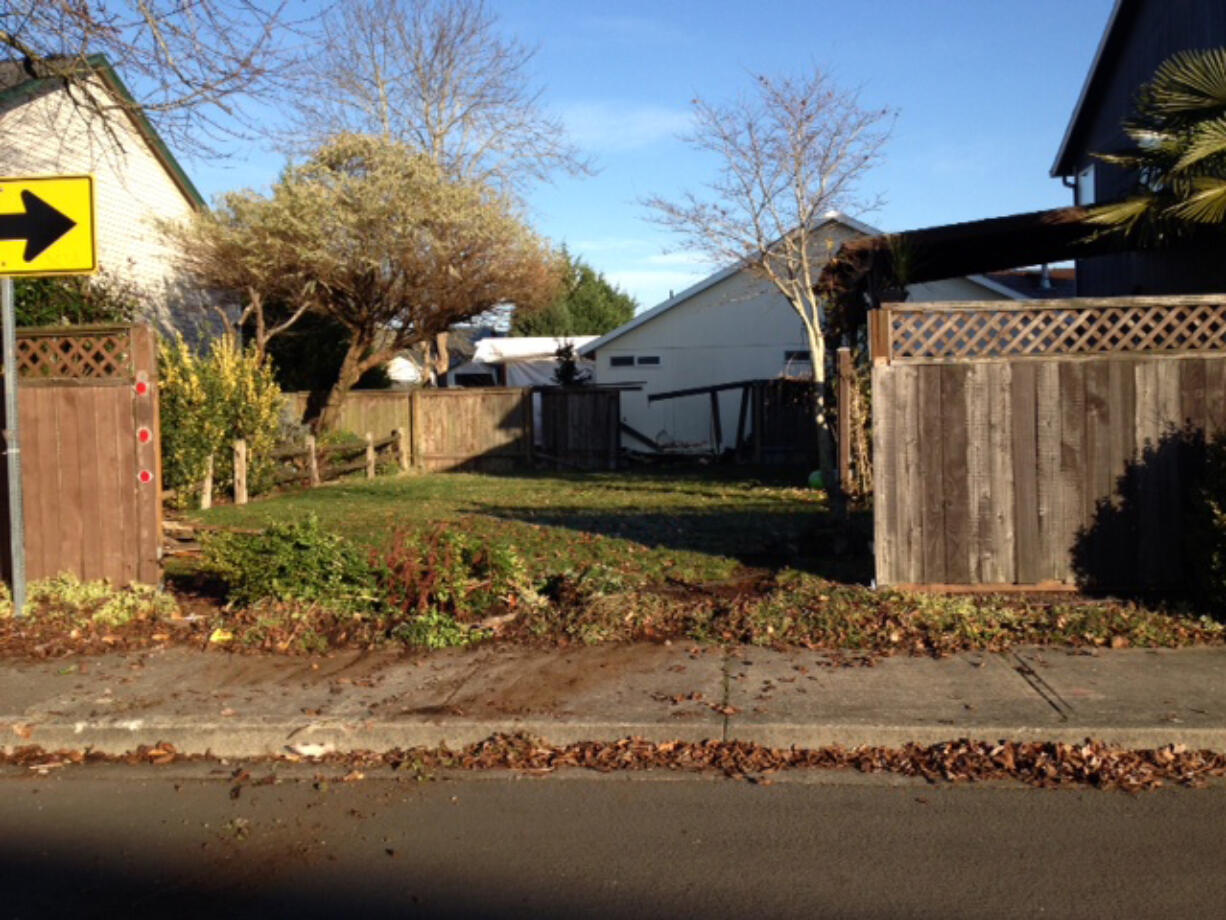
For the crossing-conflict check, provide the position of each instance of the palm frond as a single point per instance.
(1122, 215)
(1208, 139)
(1206, 205)
(1122, 160)
(1189, 81)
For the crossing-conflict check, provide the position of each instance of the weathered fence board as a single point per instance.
(364, 410)
(487, 429)
(581, 428)
(1024, 468)
(87, 403)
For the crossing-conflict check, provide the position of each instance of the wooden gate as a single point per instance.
(1041, 443)
(580, 427)
(91, 464)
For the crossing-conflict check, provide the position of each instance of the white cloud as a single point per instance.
(610, 244)
(606, 126)
(680, 258)
(652, 287)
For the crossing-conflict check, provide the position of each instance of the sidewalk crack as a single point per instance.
(726, 700)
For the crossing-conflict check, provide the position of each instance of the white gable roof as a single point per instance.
(724, 273)
(499, 349)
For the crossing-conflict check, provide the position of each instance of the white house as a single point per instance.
(137, 180)
(516, 361)
(729, 327)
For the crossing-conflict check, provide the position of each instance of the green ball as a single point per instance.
(815, 479)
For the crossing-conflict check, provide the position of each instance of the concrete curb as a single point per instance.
(229, 739)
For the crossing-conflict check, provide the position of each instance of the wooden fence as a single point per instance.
(1040, 444)
(91, 465)
(580, 428)
(379, 411)
(490, 429)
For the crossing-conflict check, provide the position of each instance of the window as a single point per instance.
(1085, 186)
(652, 360)
(796, 355)
(621, 361)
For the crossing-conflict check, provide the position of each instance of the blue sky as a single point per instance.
(984, 90)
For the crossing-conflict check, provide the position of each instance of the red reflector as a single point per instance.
(144, 435)
(146, 477)
(142, 387)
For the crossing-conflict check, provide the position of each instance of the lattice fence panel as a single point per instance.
(953, 332)
(75, 355)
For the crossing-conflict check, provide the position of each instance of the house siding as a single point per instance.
(737, 329)
(132, 190)
(1150, 33)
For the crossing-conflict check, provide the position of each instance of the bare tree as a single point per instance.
(788, 153)
(433, 74)
(189, 65)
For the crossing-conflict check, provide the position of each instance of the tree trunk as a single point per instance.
(825, 441)
(352, 368)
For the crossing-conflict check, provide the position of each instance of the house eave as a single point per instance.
(1061, 166)
(32, 89)
(710, 281)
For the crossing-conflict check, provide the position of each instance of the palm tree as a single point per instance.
(1178, 131)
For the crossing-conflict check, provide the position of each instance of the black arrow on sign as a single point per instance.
(40, 225)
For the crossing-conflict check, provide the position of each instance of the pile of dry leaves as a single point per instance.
(1042, 764)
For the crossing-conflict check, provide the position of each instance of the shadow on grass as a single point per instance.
(766, 537)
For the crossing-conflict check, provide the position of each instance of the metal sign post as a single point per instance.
(12, 448)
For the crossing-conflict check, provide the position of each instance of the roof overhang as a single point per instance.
(31, 89)
(830, 217)
(1121, 13)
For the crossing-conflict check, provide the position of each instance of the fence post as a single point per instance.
(312, 461)
(240, 472)
(370, 455)
(846, 382)
(415, 423)
(402, 448)
(206, 487)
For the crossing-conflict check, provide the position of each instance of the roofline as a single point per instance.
(985, 281)
(1058, 168)
(709, 282)
(31, 89)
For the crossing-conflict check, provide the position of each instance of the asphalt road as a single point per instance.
(173, 841)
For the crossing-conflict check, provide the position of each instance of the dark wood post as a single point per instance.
(846, 380)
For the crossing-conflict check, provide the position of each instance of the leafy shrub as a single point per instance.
(293, 561)
(208, 401)
(73, 300)
(97, 601)
(445, 581)
(1205, 533)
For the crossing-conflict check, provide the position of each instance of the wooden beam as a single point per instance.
(715, 421)
(699, 391)
(638, 435)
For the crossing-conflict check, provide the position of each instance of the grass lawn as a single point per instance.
(694, 526)
(699, 554)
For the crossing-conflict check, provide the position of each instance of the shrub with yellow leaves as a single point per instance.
(208, 400)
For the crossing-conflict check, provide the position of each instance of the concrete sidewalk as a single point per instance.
(241, 705)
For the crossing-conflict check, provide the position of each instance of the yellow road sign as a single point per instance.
(47, 226)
